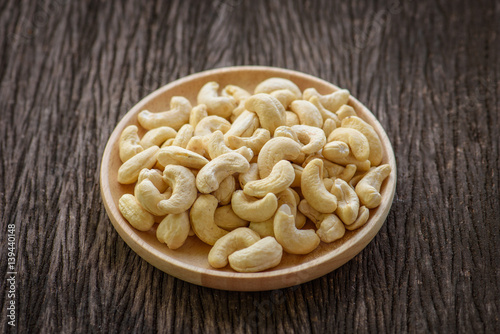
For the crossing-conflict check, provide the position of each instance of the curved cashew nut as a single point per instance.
(157, 136)
(197, 114)
(276, 149)
(280, 178)
(347, 201)
(149, 196)
(183, 136)
(254, 209)
(177, 116)
(294, 241)
(347, 173)
(216, 105)
(313, 137)
(328, 126)
(129, 171)
(338, 149)
(210, 124)
(174, 155)
(239, 94)
(307, 112)
(129, 143)
(226, 190)
(345, 111)
(182, 182)
(325, 113)
(269, 110)
(134, 213)
(263, 229)
(286, 131)
(155, 176)
(235, 240)
(173, 230)
(364, 214)
(264, 254)
(240, 108)
(331, 152)
(255, 142)
(216, 147)
(367, 130)
(298, 175)
(252, 174)
(197, 144)
(285, 96)
(314, 215)
(330, 228)
(167, 142)
(331, 101)
(291, 118)
(314, 190)
(247, 122)
(212, 174)
(202, 219)
(226, 218)
(273, 84)
(368, 188)
(358, 144)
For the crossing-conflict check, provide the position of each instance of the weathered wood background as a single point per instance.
(430, 71)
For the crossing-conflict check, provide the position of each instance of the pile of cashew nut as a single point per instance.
(245, 172)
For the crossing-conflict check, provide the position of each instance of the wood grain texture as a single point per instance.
(430, 72)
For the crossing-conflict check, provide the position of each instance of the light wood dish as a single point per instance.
(190, 262)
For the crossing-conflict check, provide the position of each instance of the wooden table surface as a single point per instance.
(430, 72)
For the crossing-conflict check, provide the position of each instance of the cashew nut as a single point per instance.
(197, 114)
(175, 155)
(252, 174)
(280, 178)
(286, 131)
(167, 142)
(216, 147)
(182, 182)
(183, 136)
(177, 116)
(210, 176)
(314, 138)
(331, 101)
(264, 254)
(347, 173)
(211, 124)
(216, 105)
(345, 111)
(307, 112)
(291, 118)
(367, 130)
(263, 229)
(325, 113)
(294, 241)
(239, 94)
(149, 196)
(330, 228)
(255, 142)
(273, 84)
(314, 190)
(328, 126)
(285, 96)
(254, 209)
(202, 219)
(363, 215)
(298, 175)
(347, 201)
(155, 176)
(233, 241)
(173, 230)
(157, 136)
(226, 218)
(129, 143)
(226, 190)
(358, 144)
(269, 110)
(276, 149)
(129, 171)
(368, 188)
(246, 123)
(331, 152)
(197, 144)
(134, 213)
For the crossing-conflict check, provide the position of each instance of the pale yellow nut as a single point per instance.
(210, 124)
(173, 230)
(129, 171)
(134, 213)
(347, 173)
(167, 142)
(328, 126)
(298, 175)
(345, 111)
(245, 124)
(314, 215)
(183, 136)
(155, 176)
(355, 179)
(293, 240)
(276, 149)
(263, 229)
(330, 228)
(331, 101)
(332, 169)
(175, 155)
(328, 182)
(182, 182)
(177, 116)
(202, 219)
(254, 209)
(376, 149)
(157, 136)
(312, 137)
(325, 113)
(363, 215)
(358, 144)
(285, 97)
(255, 142)
(197, 144)
(338, 149)
(291, 118)
(331, 152)
(262, 255)
(347, 201)
(239, 94)
(240, 108)
(269, 110)
(314, 190)
(211, 175)
(307, 112)
(300, 220)
(252, 174)
(129, 143)
(226, 218)
(280, 178)
(233, 241)
(225, 190)
(216, 105)
(149, 196)
(273, 84)
(287, 197)
(197, 114)
(368, 188)
(216, 146)
(286, 131)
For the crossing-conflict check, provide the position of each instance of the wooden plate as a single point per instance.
(190, 262)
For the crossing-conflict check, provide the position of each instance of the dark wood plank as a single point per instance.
(430, 71)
